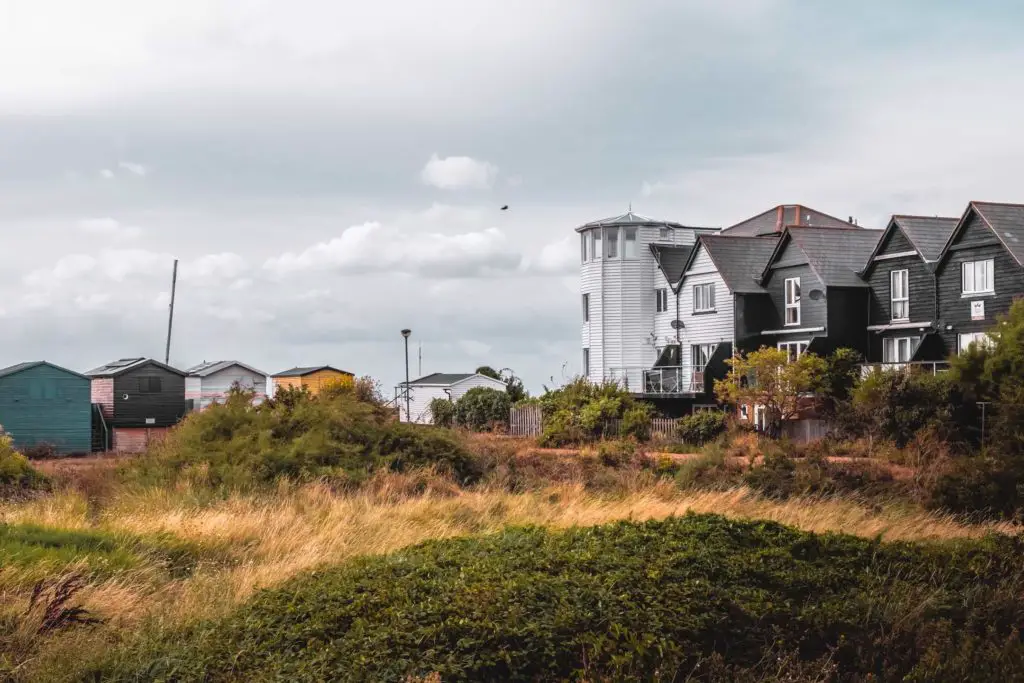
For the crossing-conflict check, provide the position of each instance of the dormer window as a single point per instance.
(899, 295)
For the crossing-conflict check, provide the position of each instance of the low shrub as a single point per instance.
(781, 476)
(616, 453)
(482, 409)
(636, 422)
(981, 484)
(442, 412)
(700, 428)
(17, 476)
(665, 600)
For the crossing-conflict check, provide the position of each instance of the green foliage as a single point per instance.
(636, 422)
(481, 408)
(809, 473)
(298, 437)
(442, 412)
(991, 486)
(17, 476)
(835, 387)
(488, 371)
(665, 600)
(701, 427)
(513, 385)
(580, 411)
(616, 453)
(897, 405)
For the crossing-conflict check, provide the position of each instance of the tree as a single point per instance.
(513, 385)
(767, 378)
(488, 371)
(481, 408)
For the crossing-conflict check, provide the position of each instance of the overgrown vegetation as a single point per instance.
(581, 411)
(702, 427)
(650, 601)
(482, 409)
(17, 476)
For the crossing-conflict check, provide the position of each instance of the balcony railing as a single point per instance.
(925, 366)
(674, 380)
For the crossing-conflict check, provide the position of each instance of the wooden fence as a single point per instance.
(525, 421)
(664, 427)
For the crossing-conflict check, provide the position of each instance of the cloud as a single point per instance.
(559, 258)
(132, 167)
(375, 248)
(107, 174)
(108, 227)
(458, 173)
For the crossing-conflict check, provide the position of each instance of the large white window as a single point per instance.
(629, 242)
(795, 349)
(611, 239)
(897, 350)
(965, 340)
(978, 277)
(595, 244)
(899, 294)
(584, 247)
(661, 296)
(700, 355)
(586, 362)
(586, 308)
(793, 301)
(703, 298)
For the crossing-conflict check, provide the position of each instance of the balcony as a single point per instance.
(674, 380)
(925, 366)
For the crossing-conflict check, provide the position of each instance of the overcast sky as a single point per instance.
(331, 171)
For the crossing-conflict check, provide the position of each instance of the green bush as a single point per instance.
(666, 600)
(897, 405)
(636, 422)
(702, 427)
(17, 476)
(991, 486)
(481, 408)
(616, 453)
(442, 412)
(580, 411)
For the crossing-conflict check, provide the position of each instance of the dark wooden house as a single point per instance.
(904, 315)
(980, 272)
(818, 300)
(45, 405)
(138, 400)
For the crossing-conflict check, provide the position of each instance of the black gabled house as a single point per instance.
(819, 301)
(980, 272)
(903, 317)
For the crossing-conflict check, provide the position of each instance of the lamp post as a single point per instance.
(405, 335)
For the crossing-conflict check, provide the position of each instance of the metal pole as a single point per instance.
(170, 315)
(408, 409)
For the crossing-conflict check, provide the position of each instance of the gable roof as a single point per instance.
(739, 260)
(302, 372)
(21, 367)
(1007, 222)
(672, 260)
(447, 378)
(836, 255)
(205, 369)
(927, 234)
(774, 220)
(122, 365)
(630, 218)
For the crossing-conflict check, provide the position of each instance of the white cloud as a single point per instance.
(458, 173)
(108, 227)
(474, 348)
(559, 257)
(215, 267)
(107, 174)
(372, 247)
(133, 167)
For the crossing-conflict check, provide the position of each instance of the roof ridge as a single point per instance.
(931, 218)
(976, 201)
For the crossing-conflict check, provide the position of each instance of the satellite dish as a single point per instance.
(676, 324)
(125, 396)
(816, 295)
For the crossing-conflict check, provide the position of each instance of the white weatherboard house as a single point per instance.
(451, 386)
(210, 382)
(629, 265)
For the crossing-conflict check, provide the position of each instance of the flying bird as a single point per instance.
(505, 208)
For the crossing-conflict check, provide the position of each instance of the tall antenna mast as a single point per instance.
(420, 365)
(170, 315)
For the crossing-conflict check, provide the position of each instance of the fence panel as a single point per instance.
(525, 421)
(805, 431)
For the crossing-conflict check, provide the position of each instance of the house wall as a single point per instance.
(420, 397)
(705, 328)
(753, 313)
(214, 388)
(321, 379)
(847, 319)
(459, 390)
(279, 383)
(102, 393)
(137, 439)
(976, 242)
(664, 335)
(812, 313)
(133, 408)
(47, 405)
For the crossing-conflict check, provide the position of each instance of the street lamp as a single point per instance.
(405, 335)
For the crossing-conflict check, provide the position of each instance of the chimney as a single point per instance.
(850, 219)
(778, 217)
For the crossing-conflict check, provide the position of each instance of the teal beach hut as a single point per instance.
(42, 403)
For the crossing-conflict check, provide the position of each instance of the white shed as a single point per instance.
(439, 385)
(209, 383)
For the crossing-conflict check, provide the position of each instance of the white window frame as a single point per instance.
(586, 362)
(965, 339)
(700, 355)
(584, 247)
(704, 298)
(986, 269)
(661, 300)
(893, 350)
(793, 305)
(595, 245)
(586, 307)
(629, 243)
(664, 233)
(744, 411)
(899, 296)
(611, 244)
(800, 344)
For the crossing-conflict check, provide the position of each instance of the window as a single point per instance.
(795, 349)
(629, 243)
(661, 295)
(703, 298)
(705, 408)
(611, 247)
(897, 350)
(584, 244)
(149, 385)
(793, 301)
(664, 233)
(899, 295)
(744, 412)
(700, 355)
(595, 244)
(586, 308)
(978, 277)
(586, 362)
(980, 338)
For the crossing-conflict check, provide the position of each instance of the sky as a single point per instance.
(329, 172)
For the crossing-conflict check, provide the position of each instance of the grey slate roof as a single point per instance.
(205, 369)
(775, 219)
(19, 367)
(442, 378)
(740, 260)
(836, 255)
(302, 372)
(1007, 222)
(630, 218)
(928, 234)
(121, 365)
(672, 260)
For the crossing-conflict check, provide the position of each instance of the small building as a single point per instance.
(312, 379)
(139, 400)
(451, 386)
(210, 382)
(42, 404)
